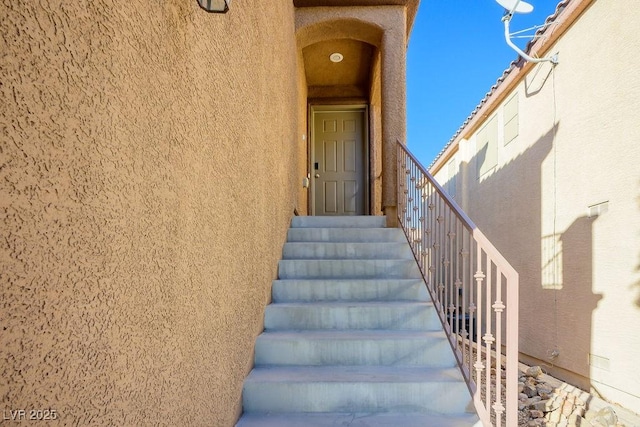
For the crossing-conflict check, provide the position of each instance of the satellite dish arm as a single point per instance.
(507, 36)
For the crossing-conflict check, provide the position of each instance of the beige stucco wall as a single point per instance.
(148, 172)
(303, 136)
(577, 147)
(375, 138)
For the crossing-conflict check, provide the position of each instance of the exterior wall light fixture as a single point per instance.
(215, 6)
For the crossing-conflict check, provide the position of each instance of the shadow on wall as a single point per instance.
(555, 268)
(637, 284)
(576, 298)
(509, 198)
(536, 81)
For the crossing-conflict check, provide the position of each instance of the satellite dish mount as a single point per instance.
(518, 6)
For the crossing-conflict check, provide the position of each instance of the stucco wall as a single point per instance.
(148, 172)
(375, 138)
(303, 138)
(577, 147)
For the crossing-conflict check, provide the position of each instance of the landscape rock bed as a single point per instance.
(547, 403)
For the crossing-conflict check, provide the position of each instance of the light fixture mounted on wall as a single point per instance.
(215, 6)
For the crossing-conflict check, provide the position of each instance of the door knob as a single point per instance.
(317, 175)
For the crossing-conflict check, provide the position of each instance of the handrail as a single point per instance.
(447, 199)
(467, 278)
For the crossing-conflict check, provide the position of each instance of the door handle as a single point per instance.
(317, 175)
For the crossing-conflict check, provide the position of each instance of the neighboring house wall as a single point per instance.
(574, 152)
(151, 157)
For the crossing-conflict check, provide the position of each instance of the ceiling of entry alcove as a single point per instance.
(352, 73)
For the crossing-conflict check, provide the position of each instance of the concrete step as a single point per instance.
(373, 235)
(374, 389)
(401, 419)
(301, 290)
(415, 316)
(339, 222)
(387, 348)
(317, 250)
(348, 269)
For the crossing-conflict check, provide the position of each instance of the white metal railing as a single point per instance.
(473, 287)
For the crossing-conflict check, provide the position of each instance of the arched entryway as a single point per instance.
(367, 45)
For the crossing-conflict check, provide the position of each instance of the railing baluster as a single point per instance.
(448, 265)
(458, 285)
(433, 246)
(439, 252)
(488, 336)
(446, 239)
(498, 308)
(464, 256)
(472, 306)
(479, 276)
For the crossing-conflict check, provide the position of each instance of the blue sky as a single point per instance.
(456, 53)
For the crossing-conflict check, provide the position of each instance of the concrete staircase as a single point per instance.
(351, 338)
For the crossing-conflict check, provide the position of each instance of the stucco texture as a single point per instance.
(148, 172)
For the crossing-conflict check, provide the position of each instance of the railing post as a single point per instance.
(512, 348)
(498, 308)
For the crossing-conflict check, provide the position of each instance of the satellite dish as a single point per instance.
(519, 6)
(516, 6)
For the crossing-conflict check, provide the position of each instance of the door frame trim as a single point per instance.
(337, 108)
